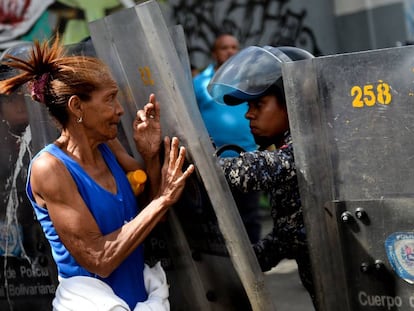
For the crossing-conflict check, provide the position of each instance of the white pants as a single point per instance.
(86, 293)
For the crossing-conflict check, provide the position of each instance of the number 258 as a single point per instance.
(369, 96)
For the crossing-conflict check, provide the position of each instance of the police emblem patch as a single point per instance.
(399, 247)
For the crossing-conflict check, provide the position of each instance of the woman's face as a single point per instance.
(102, 114)
(268, 118)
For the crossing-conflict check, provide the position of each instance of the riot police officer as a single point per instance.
(254, 75)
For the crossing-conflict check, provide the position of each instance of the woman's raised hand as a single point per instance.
(147, 129)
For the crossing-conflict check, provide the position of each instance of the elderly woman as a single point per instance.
(78, 186)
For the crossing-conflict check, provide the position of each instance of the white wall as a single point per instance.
(343, 7)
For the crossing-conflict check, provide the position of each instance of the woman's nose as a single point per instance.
(119, 109)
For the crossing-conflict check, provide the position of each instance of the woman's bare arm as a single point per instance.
(75, 225)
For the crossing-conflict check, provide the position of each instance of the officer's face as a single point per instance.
(13, 112)
(268, 118)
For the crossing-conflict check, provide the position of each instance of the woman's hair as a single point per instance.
(53, 77)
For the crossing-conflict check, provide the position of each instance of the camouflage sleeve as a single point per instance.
(259, 170)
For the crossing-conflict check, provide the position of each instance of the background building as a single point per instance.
(321, 26)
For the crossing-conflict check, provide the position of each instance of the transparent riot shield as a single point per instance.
(28, 274)
(215, 267)
(352, 122)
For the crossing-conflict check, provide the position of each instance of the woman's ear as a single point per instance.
(75, 106)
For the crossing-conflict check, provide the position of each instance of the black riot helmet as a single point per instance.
(252, 73)
(20, 50)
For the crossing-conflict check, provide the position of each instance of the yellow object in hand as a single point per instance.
(137, 180)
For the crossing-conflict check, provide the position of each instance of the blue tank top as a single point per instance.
(110, 211)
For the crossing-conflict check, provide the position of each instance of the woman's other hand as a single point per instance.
(173, 175)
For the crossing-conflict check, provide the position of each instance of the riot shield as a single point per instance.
(29, 276)
(352, 125)
(217, 254)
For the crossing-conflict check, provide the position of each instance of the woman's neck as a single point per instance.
(79, 148)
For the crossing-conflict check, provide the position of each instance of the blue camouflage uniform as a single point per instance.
(274, 172)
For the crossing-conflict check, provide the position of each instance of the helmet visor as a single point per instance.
(21, 50)
(245, 76)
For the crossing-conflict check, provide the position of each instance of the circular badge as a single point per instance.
(399, 247)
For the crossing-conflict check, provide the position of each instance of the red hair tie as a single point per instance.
(38, 88)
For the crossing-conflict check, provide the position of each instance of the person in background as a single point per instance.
(194, 70)
(228, 129)
(15, 209)
(259, 82)
(78, 184)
